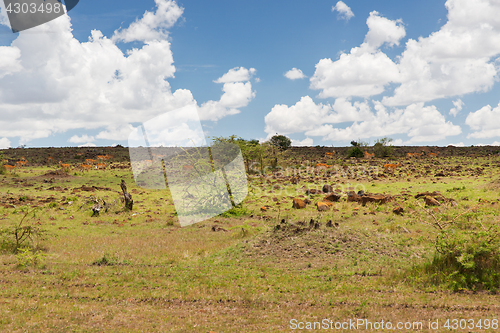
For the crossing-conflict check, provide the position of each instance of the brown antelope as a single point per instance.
(101, 166)
(90, 161)
(368, 155)
(85, 167)
(9, 167)
(391, 167)
(433, 154)
(21, 163)
(50, 160)
(64, 166)
(330, 154)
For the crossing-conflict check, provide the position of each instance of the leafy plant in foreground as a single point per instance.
(20, 236)
(465, 258)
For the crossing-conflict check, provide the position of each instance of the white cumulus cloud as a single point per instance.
(382, 30)
(152, 26)
(80, 139)
(294, 74)
(51, 83)
(456, 60)
(307, 142)
(458, 105)
(420, 123)
(485, 122)
(365, 71)
(344, 11)
(236, 94)
(4, 143)
(238, 74)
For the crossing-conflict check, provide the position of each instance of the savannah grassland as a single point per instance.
(245, 270)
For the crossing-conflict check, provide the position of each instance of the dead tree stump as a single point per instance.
(129, 203)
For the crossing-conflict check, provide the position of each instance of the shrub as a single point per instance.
(281, 141)
(26, 257)
(238, 210)
(382, 149)
(355, 152)
(466, 259)
(22, 236)
(467, 254)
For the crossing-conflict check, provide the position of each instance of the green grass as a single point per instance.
(140, 271)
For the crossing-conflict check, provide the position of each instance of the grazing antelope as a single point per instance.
(9, 167)
(101, 166)
(433, 154)
(64, 166)
(323, 165)
(85, 167)
(90, 161)
(391, 167)
(50, 160)
(330, 154)
(21, 163)
(368, 155)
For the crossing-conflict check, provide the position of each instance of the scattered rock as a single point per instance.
(334, 197)
(216, 228)
(298, 203)
(430, 201)
(323, 206)
(327, 188)
(379, 198)
(398, 210)
(353, 197)
(313, 191)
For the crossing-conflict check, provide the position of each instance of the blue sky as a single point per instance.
(420, 72)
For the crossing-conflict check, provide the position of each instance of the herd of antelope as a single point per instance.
(387, 167)
(89, 164)
(21, 163)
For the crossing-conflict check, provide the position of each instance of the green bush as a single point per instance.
(382, 149)
(239, 210)
(355, 152)
(26, 257)
(22, 236)
(466, 259)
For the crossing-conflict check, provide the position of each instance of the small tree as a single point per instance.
(2, 168)
(381, 148)
(278, 144)
(355, 152)
(281, 142)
